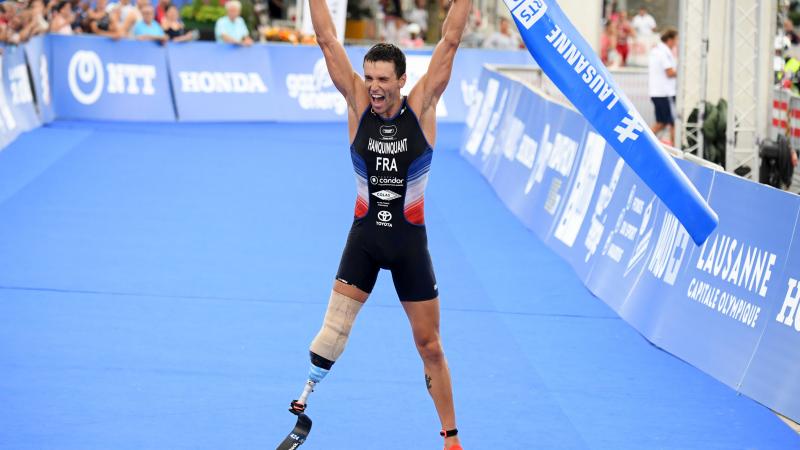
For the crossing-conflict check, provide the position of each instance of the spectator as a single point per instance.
(100, 21)
(173, 26)
(624, 31)
(788, 31)
(419, 15)
(161, 9)
(644, 24)
(125, 8)
(231, 27)
(393, 21)
(18, 30)
(473, 36)
(80, 12)
(62, 19)
(412, 38)
(148, 29)
(37, 18)
(608, 46)
(134, 16)
(662, 74)
(502, 39)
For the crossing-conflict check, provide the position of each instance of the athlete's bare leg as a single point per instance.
(424, 318)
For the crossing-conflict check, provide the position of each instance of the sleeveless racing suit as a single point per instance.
(391, 158)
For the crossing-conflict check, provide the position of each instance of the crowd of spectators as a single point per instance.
(627, 41)
(21, 20)
(409, 28)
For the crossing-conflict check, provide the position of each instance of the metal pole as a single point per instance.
(730, 132)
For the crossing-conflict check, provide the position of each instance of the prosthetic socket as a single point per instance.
(330, 342)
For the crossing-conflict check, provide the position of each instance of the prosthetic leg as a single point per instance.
(326, 348)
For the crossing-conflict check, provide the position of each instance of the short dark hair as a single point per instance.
(669, 33)
(390, 53)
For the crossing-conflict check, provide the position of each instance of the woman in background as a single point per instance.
(174, 28)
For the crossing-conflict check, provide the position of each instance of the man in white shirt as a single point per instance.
(663, 81)
(644, 24)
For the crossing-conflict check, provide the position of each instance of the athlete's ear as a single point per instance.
(402, 80)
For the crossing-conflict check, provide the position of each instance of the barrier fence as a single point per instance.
(729, 307)
(96, 78)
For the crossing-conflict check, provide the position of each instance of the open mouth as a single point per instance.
(377, 100)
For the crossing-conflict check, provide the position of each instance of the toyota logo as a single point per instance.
(384, 216)
(84, 68)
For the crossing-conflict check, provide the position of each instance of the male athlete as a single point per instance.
(392, 140)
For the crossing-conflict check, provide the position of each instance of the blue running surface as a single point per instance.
(160, 284)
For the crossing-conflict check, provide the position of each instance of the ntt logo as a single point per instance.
(222, 82)
(85, 75)
(87, 79)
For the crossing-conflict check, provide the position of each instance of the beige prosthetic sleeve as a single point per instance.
(339, 318)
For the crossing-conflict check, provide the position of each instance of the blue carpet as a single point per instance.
(159, 286)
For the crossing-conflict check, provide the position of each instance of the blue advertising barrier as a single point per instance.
(577, 71)
(9, 127)
(641, 230)
(304, 90)
(95, 78)
(98, 78)
(773, 376)
(17, 89)
(220, 82)
(38, 55)
(709, 305)
(717, 306)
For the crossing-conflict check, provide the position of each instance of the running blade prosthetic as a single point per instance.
(298, 435)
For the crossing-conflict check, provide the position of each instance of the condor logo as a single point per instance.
(388, 132)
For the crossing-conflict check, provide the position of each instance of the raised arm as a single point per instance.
(340, 69)
(430, 87)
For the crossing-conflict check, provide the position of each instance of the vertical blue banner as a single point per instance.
(222, 82)
(18, 90)
(97, 78)
(38, 54)
(10, 127)
(773, 377)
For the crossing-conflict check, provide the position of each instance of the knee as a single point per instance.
(430, 349)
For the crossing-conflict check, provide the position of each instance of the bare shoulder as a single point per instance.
(360, 99)
(356, 105)
(416, 98)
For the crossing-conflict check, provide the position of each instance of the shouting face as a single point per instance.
(383, 86)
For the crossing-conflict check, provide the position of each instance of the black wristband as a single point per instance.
(448, 433)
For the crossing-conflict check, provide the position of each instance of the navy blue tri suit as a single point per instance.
(391, 158)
